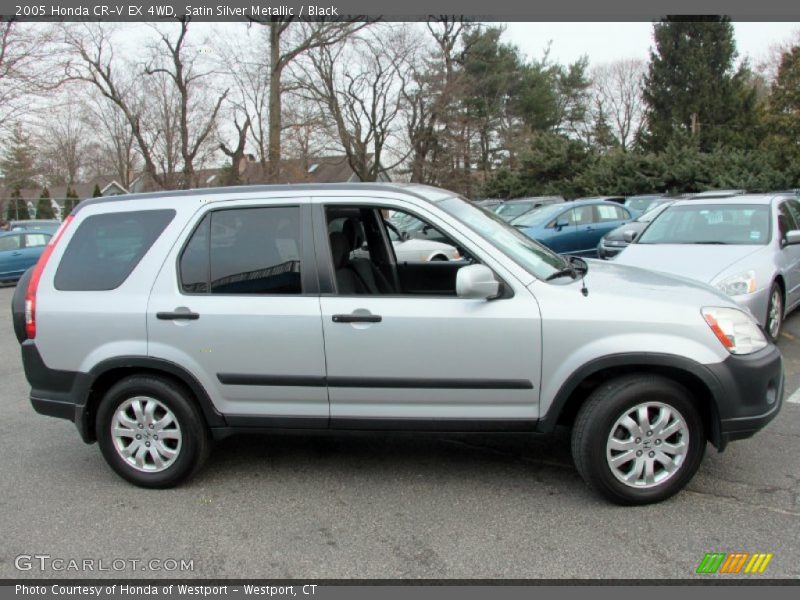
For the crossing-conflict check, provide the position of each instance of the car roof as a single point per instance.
(597, 200)
(732, 200)
(423, 192)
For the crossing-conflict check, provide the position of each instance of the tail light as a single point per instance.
(33, 285)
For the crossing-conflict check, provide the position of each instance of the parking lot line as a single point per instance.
(795, 397)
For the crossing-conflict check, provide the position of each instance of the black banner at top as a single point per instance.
(504, 10)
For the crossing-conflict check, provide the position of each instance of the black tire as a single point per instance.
(593, 428)
(195, 443)
(775, 296)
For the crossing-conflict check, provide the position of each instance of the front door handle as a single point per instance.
(357, 318)
(183, 315)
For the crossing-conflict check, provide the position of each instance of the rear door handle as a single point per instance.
(357, 318)
(177, 316)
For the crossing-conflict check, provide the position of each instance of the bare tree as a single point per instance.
(617, 88)
(428, 100)
(112, 146)
(62, 143)
(287, 41)
(236, 153)
(241, 59)
(172, 114)
(360, 87)
(24, 68)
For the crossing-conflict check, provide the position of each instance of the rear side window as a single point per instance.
(106, 249)
(35, 240)
(244, 251)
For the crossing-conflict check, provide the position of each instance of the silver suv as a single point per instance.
(158, 322)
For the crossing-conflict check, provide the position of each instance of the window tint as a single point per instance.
(194, 260)
(106, 249)
(244, 251)
(9, 242)
(35, 240)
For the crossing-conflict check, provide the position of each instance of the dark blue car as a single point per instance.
(19, 251)
(573, 227)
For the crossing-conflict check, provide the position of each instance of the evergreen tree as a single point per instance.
(783, 116)
(96, 193)
(692, 88)
(18, 207)
(17, 162)
(69, 202)
(44, 208)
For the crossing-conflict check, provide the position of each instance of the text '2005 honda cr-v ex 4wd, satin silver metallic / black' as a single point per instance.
(159, 322)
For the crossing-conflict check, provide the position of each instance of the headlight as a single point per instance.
(739, 284)
(735, 329)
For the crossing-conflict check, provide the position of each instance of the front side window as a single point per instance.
(106, 249)
(244, 251)
(9, 242)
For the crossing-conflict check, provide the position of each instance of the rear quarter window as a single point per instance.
(106, 249)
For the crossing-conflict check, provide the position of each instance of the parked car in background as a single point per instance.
(616, 240)
(573, 227)
(617, 199)
(639, 205)
(511, 209)
(748, 247)
(48, 225)
(19, 251)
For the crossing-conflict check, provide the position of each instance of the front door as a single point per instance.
(400, 352)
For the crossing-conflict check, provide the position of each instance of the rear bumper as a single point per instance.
(55, 393)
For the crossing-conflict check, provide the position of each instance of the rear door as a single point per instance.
(606, 218)
(237, 303)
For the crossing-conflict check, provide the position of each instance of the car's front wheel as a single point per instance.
(151, 432)
(638, 439)
(775, 312)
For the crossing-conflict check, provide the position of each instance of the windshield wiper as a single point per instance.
(565, 272)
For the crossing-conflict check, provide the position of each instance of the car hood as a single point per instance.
(696, 261)
(616, 235)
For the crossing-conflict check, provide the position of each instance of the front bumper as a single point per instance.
(750, 394)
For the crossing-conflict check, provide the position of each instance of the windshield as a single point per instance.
(529, 254)
(510, 210)
(640, 203)
(736, 224)
(538, 215)
(653, 212)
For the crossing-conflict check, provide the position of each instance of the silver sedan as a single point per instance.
(747, 247)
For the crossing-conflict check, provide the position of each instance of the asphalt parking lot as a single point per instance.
(386, 506)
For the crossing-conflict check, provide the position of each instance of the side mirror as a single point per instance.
(404, 236)
(476, 281)
(793, 237)
(630, 235)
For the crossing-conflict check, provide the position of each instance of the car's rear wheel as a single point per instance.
(774, 312)
(151, 432)
(638, 439)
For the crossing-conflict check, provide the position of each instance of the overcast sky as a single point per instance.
(604, 42)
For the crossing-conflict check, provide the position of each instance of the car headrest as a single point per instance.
(340, 249)
(351, 231)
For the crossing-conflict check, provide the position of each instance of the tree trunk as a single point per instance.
(275, 68)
